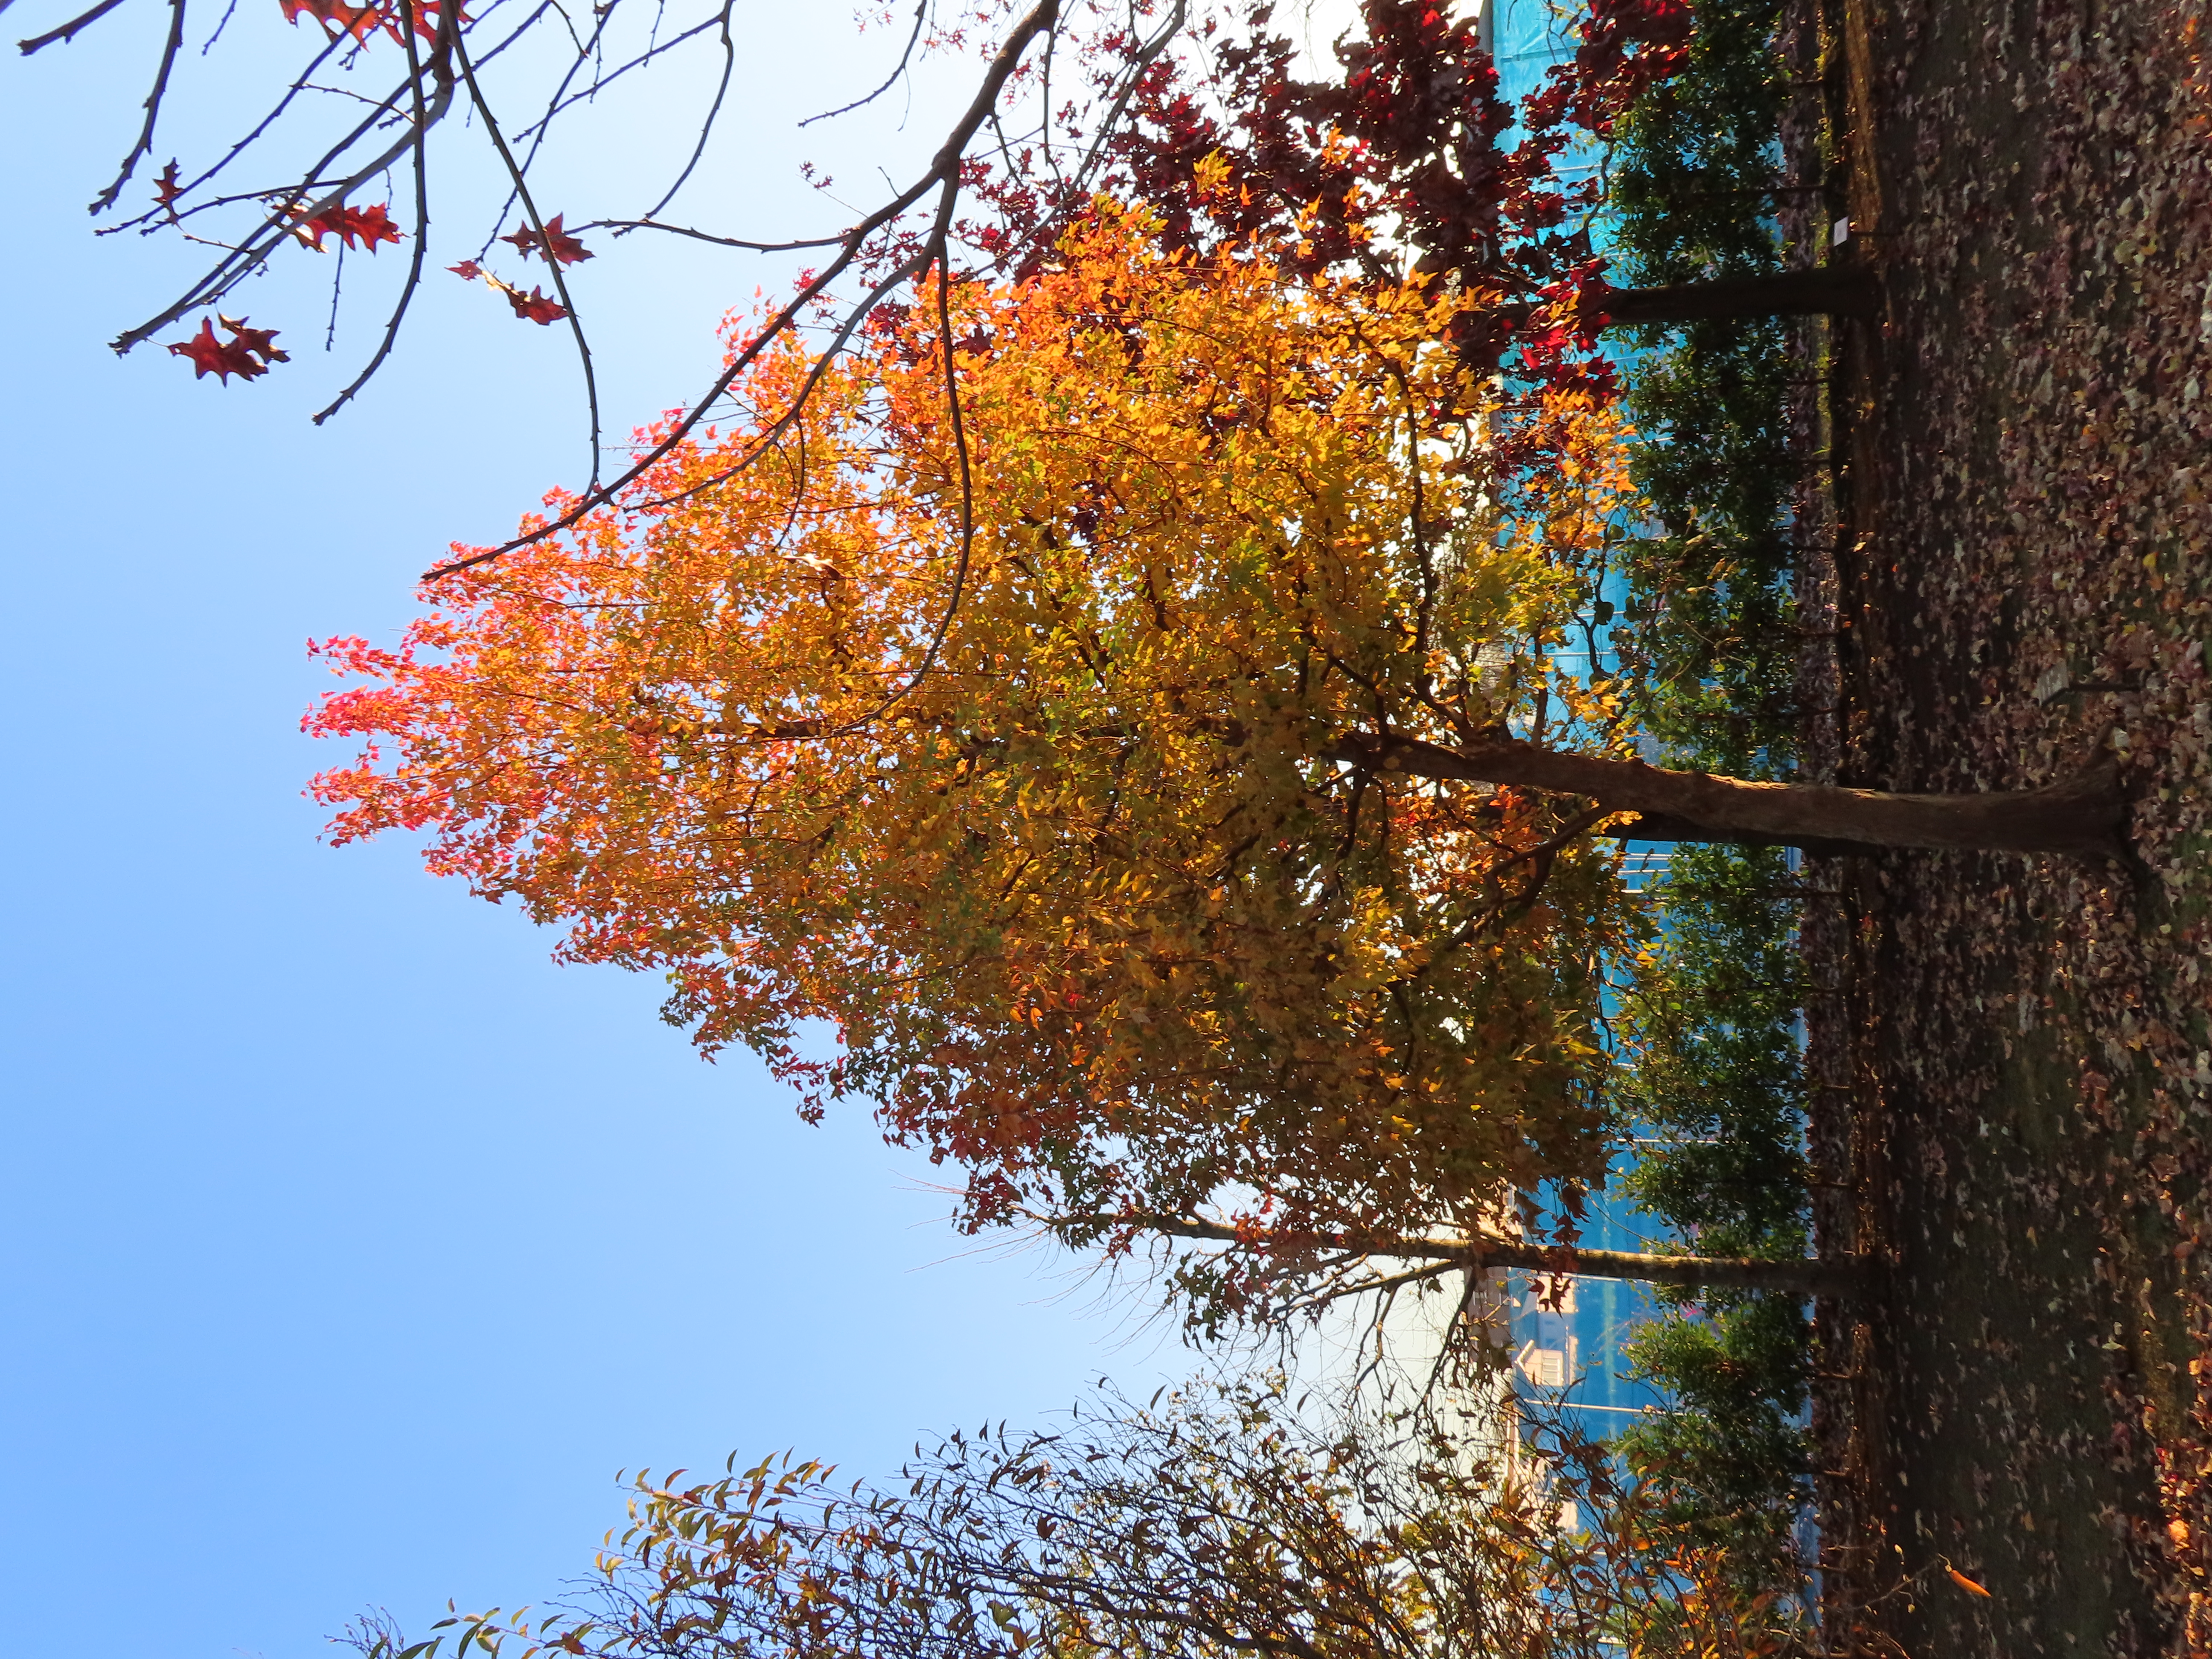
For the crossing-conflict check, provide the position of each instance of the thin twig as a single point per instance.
(106, 199)
(70, 30)
(544, 247)
(921, 10)
(221, 23)
(513, 34)
(622, 227)
(705, 127)
(260, 127)
(587, 52)
(563, 99)
(251, 253)
(445, 14)
(943, 174)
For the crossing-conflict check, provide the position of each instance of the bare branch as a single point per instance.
(144, 147)
(544, 246)
(515, 34)
(446, 25)
(943, 174)
(563, 99)
(260, 127)
(251, 253)
(623, 226)
(70, 30)
(713, 113)
(921, 11)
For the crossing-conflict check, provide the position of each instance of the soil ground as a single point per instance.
(2023, 562)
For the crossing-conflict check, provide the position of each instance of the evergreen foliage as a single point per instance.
(1715, 1086)
(1718, 1085)
(1710, 613)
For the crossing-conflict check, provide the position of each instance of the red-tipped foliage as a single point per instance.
(1405, 156)
(247, 354)
(534, 307)
(362, 226)
(556, 245)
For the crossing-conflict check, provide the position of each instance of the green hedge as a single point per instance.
(1710, 619)
(1714, 1083)
(1717, 1087)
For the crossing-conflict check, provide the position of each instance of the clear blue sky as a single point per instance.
(350, 1246)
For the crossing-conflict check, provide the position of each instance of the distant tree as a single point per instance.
(1219, 1523)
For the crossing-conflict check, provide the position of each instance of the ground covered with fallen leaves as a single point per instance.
(2024, 564)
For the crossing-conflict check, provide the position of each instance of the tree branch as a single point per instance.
(70, 30)
(921, 11)
(2082, 815)
(253, 252)
(446, 15)
(943, 175)
(106, 199)
(714, 112)
(544, 244)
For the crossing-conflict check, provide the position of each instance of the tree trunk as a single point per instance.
(1802, 1277)
(1845, 1278)
(1826, 291)
(1665, 826)
(2084, 814)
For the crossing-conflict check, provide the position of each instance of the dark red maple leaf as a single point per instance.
(166, 190)
(336, 16)
(557, 245)
(247, 354)
(257, 342)
(355, 227)
(468, 271)
(422, 16)
(535, 306)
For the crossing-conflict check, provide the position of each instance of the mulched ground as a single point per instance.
(2024, 564)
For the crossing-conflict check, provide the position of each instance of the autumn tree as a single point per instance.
(1216, 1523)
(999, 731)
(1153, 761)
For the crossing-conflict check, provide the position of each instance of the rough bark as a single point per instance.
(2082, 815)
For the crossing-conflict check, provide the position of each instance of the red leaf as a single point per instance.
(557, 244)
(256, 342)
(339, 18)
(335, 16)
(166, 189)
(354, 227)
(468, 271)
(246, 354)
(535, 306)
